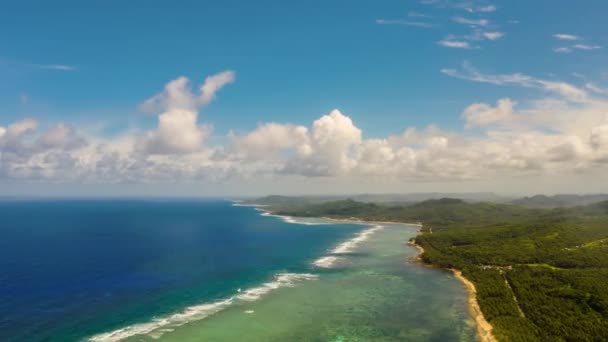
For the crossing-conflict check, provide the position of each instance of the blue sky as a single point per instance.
(90, 64)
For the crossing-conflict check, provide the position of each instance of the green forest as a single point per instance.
(540, 274)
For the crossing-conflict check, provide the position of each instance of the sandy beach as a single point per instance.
(484, 328)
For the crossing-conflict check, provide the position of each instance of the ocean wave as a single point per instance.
(280, 280)
(158, 326)
(309, 221)
(346, 247)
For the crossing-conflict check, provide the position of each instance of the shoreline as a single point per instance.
(484, 328)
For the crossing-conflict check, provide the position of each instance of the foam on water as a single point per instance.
(280, 280)
(309, 221)
(346, 247)
(290, 219)
(158, 326)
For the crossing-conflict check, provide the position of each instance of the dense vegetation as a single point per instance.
(541, 275)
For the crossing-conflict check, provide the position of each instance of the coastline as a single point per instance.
(484, 328)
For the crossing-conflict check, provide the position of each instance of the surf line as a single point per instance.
(346, 247)
(161, 325)
(338, 253)
(158, 326)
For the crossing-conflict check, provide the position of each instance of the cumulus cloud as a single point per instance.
(599, 137)
(26, 154)
(178, 130)
(21, 128)
(63, 137)
(551, 136)
(324, 150)
(268, 140)
(481, 114)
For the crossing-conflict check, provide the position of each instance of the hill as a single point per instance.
(542, 201)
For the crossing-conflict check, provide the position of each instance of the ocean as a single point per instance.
(209, 270)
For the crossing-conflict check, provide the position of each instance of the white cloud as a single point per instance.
(586, 47)
(565, 36)
(332, 142)
(481, 114)
(213, 84)
(268, 140)
(59, 67)
(63, 137)
(493, 35)
(550, 137)
(404, 23)
(599, 137)
(488, 8)
(178, 130)
(563, 49)
(568, 49)
(20, 128)
(566, 90)
(471, 22)
(456, 44)
(596, 89)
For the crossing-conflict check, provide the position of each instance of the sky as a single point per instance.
(202, 98)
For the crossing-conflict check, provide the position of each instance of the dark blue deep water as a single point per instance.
(70, 269)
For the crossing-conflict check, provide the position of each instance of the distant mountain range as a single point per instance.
(536, 201)
(542, 201)
(406, 198)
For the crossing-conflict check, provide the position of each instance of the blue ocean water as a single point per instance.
(70, 269)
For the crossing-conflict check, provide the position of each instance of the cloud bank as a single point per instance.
(564, 131)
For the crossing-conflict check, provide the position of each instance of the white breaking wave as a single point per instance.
(280, 280)
(300, 220)
(346, 247)
(158, 326)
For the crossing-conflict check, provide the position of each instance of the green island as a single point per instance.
(541, 274)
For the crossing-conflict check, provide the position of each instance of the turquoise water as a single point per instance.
(189, 270)
(374, 293)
